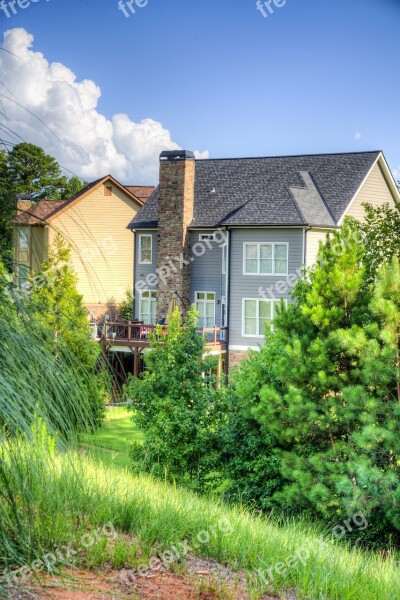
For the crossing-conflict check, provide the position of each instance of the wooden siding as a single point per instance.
(37, 251)
(252, 286)
(313, 239)
(102, 246)
(375, 191)
(38, 246)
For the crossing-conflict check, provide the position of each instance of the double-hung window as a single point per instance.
(205, 305)
(148, 307)
(265, 258)
(145, 249)
(23, 238)
(258, 316)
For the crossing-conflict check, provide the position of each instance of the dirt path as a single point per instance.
(202, 580)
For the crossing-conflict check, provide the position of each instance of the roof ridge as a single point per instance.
(201, 160)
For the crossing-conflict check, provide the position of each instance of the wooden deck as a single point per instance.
(133, 334)
(124, 343)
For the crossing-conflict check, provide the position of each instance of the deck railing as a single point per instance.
(130, 332)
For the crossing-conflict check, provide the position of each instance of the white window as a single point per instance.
(224, 258)
(148, 307)
(265, 258)
(23, 238)
(204, 237)
(205, 304)
(145, 249)
(258, 316)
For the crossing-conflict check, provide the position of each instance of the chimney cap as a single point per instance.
(177, 155)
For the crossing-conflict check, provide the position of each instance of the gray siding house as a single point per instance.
(233, 235)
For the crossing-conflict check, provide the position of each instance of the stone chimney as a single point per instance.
(175, 213)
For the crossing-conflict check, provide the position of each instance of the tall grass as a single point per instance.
(42, 398)
(160, 516)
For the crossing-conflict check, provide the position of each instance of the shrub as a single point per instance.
(57, 306)
(178, 406)
(327, 393)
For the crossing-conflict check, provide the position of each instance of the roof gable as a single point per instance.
(45, 211)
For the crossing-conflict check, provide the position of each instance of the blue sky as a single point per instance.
(314, 76)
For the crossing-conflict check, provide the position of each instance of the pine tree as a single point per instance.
(330, 395)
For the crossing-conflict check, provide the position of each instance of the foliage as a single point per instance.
(27, 169)
(31, 171)
(125, 309)
(7, 208)
(57, 305)
(178, 408)
(250, 461)
(381, 232)
(43, 397)
(328, 395)
(71, 187)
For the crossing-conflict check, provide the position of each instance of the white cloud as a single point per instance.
(358, 136)
(89, 144)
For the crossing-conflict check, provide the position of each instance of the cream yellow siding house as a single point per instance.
(377, 188)
(94, 224)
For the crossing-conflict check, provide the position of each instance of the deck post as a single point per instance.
(136, 363)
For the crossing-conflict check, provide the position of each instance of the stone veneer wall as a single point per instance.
(175, 213)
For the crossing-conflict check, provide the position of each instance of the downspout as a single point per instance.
(134, 274)
(228, 298)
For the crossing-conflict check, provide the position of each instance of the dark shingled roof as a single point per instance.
(143, 192)
(36, 214)
(283, 190)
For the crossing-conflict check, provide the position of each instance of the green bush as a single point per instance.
(54, 302)
(326, 394)
(179, 409)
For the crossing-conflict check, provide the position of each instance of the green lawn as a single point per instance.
(111, 444)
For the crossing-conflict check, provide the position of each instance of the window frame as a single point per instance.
(273, 302)
(205, 303)
(28, 239)
(150, 298)
(141, 261)
(273, 245)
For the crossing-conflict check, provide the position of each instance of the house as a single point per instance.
(232, 236)
(94, 225)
